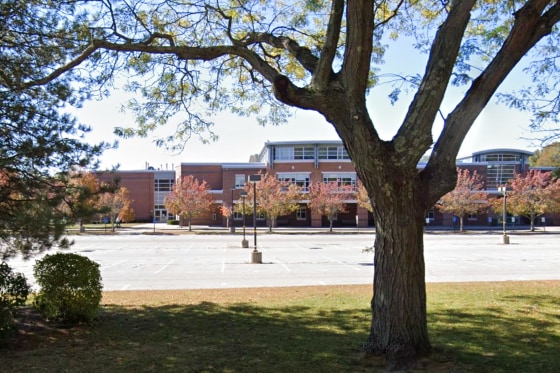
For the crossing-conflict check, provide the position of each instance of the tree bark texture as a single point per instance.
(399, 316)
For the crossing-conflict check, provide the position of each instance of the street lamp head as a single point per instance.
(255, 178)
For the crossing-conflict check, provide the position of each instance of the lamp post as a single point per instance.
(231, 221)
(244, 242)
(256, 256)
(505, 237)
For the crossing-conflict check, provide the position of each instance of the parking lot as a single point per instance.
(140, 261)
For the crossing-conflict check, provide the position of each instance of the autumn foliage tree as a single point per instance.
(467, 198)
(114, 204)
(329, 199)
(227, 212)
(275, 198)
(80, 204)
(532, 195)
(189, 198)
(252, 58)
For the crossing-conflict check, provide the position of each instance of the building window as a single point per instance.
(333, 152)
(299, 178)
(342, 179)
(283, 154)
(304, 152)
(501, 157)
(301, 213)
(294, 153)
(498, 175)
(239, 181)
(237, 215)
(163, 185)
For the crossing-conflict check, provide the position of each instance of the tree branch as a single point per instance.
(359, 46)
(90, 49)
(416, 131)
(530, 26)
(324, 70)
(302, 54)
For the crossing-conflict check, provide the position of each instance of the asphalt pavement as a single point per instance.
(142, 258)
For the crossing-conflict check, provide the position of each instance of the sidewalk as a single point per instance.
(205, 229)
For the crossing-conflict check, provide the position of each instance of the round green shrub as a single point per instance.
(14, 290)
(70, 287)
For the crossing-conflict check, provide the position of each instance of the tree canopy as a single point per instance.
(187, 60)
(329, 199)
(468, 197)
(40, 144)
(189, 198)
(532, 195)
(274, 198)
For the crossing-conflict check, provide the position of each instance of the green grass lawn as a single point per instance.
(475, 327)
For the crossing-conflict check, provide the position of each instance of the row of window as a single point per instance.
(163, 185)
(301, 214)
(291, 153)
(302, 179)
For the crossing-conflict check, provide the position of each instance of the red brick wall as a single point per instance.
(140, 185)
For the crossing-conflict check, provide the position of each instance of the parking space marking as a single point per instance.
(283, 265)
(115, 264)
(165, 266)
(340, 262)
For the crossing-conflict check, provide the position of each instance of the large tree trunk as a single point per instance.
(399, 324)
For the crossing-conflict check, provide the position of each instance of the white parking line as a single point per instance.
(283, 265)
(115, 264)
(223, 265)
(164, 267)
(338, 261)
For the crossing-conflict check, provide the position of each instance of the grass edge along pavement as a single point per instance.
(474, 327)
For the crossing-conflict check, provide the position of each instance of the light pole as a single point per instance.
(505, 237)
(231, 221)
(244, 243)
(256, 256)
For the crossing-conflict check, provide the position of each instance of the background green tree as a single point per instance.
(39, 142)
(255, 59)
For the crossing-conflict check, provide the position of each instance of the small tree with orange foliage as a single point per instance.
(275, 198)
(227, 212)
(115, 204)
(189, 198)
(532, 195)
(468, 197)
(329, 199)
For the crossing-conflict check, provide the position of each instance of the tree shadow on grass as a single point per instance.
(516, 334)
(505, 333)
(206, 337)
